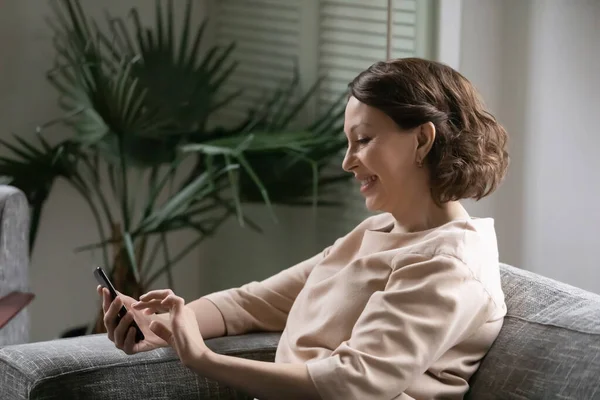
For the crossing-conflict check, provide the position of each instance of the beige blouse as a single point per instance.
(381, 315)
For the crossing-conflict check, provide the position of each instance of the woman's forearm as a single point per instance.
(264, 380)
(210, 320)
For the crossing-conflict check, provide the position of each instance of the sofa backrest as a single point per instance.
(549, 345)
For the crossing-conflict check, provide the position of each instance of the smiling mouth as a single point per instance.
(366, 184)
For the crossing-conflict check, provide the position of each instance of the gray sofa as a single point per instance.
(549, 348)
(14, 260)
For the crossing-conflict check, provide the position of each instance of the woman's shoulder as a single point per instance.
(471, 241)
(468, 240)
(470, 246)
(463, 239)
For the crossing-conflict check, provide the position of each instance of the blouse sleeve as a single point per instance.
(427, 306)
(265, 305)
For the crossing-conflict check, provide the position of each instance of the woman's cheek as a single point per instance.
(369, 157)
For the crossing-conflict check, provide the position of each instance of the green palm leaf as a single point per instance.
(34, 169)
(293, 164)
(116, 82)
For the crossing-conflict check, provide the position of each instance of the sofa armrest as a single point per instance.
(14, 259)
(90, 367)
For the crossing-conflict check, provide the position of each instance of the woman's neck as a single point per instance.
(428, 215)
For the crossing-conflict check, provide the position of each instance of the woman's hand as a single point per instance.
(122, 334)
(183, 334)
(261, 378)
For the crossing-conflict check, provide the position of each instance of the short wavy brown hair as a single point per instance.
(468, 158)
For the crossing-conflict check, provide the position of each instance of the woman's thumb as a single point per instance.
(161, 331)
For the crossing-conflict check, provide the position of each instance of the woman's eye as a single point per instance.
(363, 140)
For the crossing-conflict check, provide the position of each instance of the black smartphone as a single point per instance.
(105, 282)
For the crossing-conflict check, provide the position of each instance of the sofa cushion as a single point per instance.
(91, 368)
(549, 346)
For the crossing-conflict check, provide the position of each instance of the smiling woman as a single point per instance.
(407, 113)
(405, 305)
(462, 143)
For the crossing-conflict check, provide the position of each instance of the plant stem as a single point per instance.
(186, 250)
(150, 195)
(175, 260)
(156, 188)
(124, 195)
(140, 254)
(99, 194)
(96, 214)
(155, 249)
(168, 262)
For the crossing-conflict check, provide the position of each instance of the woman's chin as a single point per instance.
(371, 204)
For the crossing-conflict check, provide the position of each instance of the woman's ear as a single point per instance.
(425, 139)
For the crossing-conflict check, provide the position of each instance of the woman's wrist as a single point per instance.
(202, 362)
(164, 318)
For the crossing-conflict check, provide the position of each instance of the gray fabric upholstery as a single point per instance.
(14, 259)
(549, 346)
(90, 367)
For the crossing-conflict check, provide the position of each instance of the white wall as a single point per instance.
(61, 280)
(536, 63)
(239, 255)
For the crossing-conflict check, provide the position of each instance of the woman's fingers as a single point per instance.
(158, 301)
(129, 341)
(121, 330)
(110, 317)
(106, 300)
(162, 331)
(156, 294)
(142, 304)
(100, 291)
(151, 307)
(173, 302)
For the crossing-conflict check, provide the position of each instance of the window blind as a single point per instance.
(271, 37)
(336, 39)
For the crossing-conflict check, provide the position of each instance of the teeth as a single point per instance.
(368, 180)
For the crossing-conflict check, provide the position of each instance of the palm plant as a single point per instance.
(138, 104)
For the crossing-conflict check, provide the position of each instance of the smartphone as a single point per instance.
(105, 282)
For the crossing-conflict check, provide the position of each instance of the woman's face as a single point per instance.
(382, 157)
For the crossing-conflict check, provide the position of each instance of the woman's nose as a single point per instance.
(349, 162)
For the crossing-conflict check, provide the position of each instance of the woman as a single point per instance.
(405, 305)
